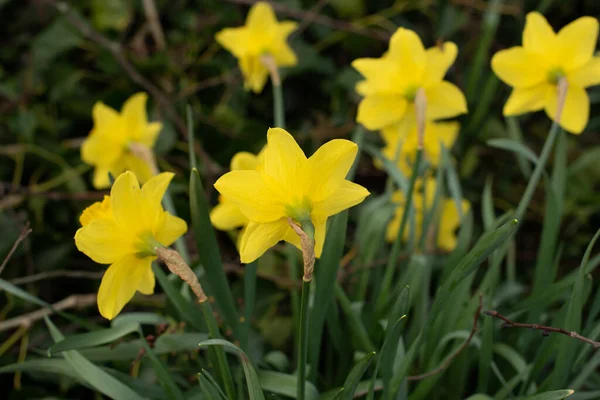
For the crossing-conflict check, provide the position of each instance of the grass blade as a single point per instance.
(95, 338)
(210, 257)
(353, 379)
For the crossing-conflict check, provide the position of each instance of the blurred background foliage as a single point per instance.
(51, 74)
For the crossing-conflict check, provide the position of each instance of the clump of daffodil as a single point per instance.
(109, 147)
(124, 230)
(262, 40)
(535, 69)
(449, 215)
(392, 81)
(226, 215)
(437, 134)
(291, 186)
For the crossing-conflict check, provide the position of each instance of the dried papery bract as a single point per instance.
(146, 154)
(179, 267)
(269, 62)
(561, 89)
(308, 251)
(421, 111)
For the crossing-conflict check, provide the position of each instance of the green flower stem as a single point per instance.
(303, 339)
(213, 331)
(353, 319)
(278, 111)
(249, 299)
(537, 172)
(391, 264)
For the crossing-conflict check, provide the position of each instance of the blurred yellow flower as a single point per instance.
(391, 82)
(262, 36)
(423, 197)
(107, 148)
(227, 215)
(308, 190)
(405, 136)
(123, 231)
(534, 69)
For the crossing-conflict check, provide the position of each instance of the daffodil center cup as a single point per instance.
(555, 74)
(300, 211)
(411, 93)
(147, 245)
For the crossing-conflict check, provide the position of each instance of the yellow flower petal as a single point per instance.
(104, 116)
(96, 211)
(378, 111)
(227, 216)
(539, 37)
(149, 134)
(523, 100)
(518, 68)
(134, 114)
(261, 17)
(155, 188)
(101, 150)
(131, 162)
(284, 159)
(439, 60)
(380, 74)
(587, 75)
(280, 50)
(407, 50)
(253, 196)
(347, 195)
(258, 238)
(120, 282)
(169, 228)
(445, 100)
(234, 40)
(101, 180)
(244, 160)
(148, 282)
(125, 196)
(576, 110)
(255, 73)
(103, 241)
(328, 168)
(436, 135)
(577, 42)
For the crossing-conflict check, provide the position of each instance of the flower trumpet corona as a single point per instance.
(535, 69)
(392, 81)
(109, 146)
(289, 185)
(124, 231)
(258, 44)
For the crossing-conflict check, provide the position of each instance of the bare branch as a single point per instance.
(57, 274)
(546, 330)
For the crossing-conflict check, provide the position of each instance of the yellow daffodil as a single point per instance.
(289, 185)
(108, 147)
(123, 230)
(436, 135)
(391, 82)
(262, 36)
(449, 219)
(534, 69)
(227, 215)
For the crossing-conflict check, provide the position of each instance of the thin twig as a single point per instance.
(449, 359)
(24, 233)
(116, 51)
(154, 23)
(57, 274)
(546, 330)
(309, 17)
(74, 301)
(323, 20)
